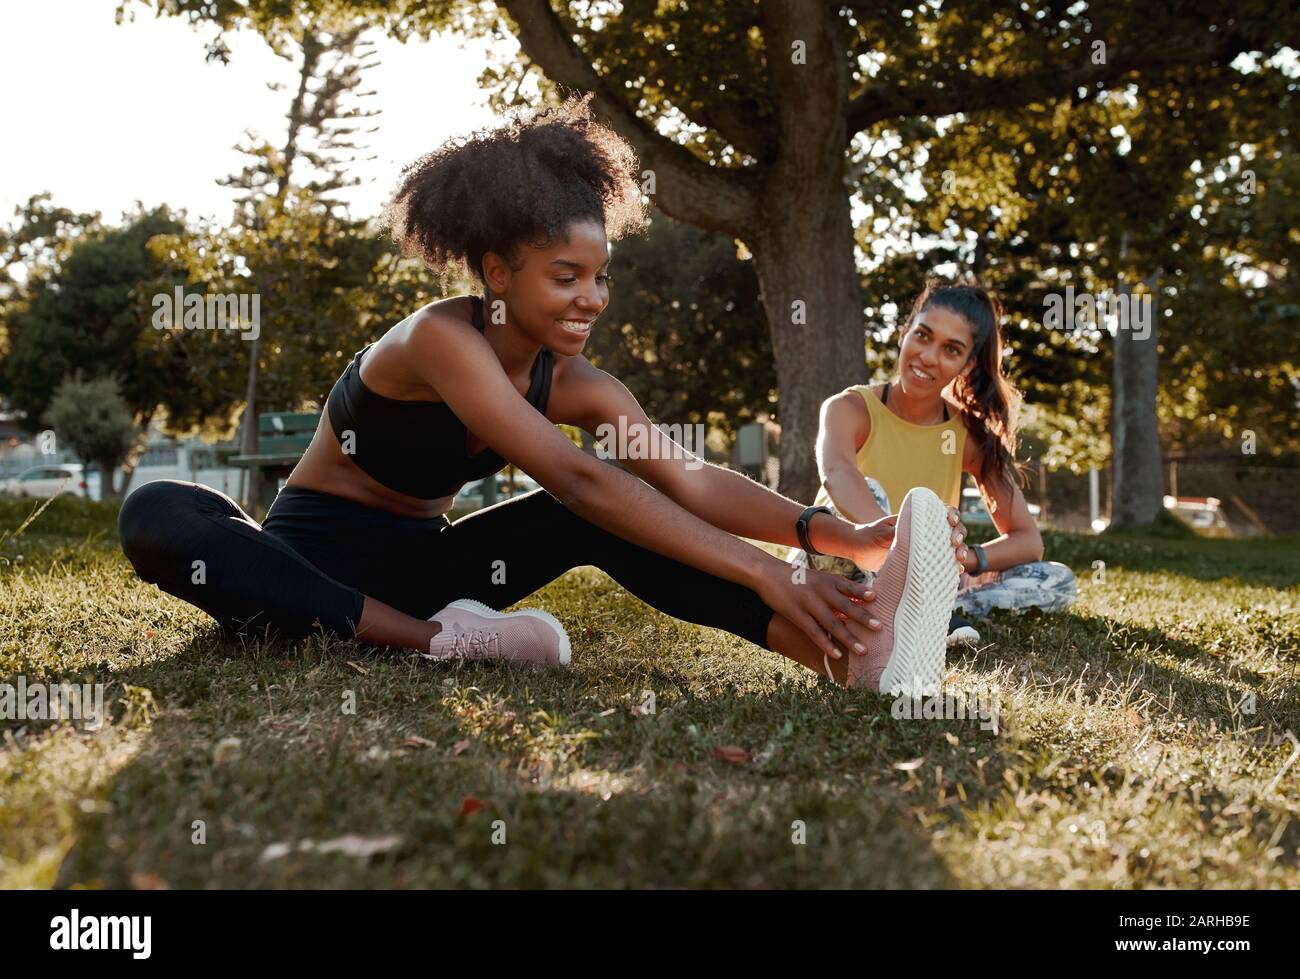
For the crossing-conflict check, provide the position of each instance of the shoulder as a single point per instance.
(442, 315)
(445, 326)
(576, 373)
(855, 398)
(846, 415)
(853, 404)
(582, 394)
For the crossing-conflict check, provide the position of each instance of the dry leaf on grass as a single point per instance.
(350, 845)
(732, 754)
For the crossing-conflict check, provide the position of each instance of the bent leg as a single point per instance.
(1046, 585)
(195, 542)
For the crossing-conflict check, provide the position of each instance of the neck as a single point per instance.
(516, 350)
(926, 410)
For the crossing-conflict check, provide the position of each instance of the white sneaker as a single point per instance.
(472, 630)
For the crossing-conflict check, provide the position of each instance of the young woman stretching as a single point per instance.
(358, 540)
(948, 410)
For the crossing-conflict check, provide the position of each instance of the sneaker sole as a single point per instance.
(963, 636)
(925, 609)
(480, 609)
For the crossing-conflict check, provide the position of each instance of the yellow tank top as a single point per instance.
(900, 455)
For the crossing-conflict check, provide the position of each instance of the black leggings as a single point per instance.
(317, 554)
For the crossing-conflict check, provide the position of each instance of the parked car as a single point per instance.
(974, 513)
(470, 496)
(50, 481)
(1204, 514)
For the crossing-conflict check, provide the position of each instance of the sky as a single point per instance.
(103, 115)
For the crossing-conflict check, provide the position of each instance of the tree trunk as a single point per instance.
(107, 467)
(802, 240)
(1135, 441)
(808, 283)
(248, 432)
(106, 488)
(311, 53)
(791, 208)
(128, 471)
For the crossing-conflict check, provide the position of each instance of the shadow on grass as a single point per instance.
(577, 788)
(584, 797)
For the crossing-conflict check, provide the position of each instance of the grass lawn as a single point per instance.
(1142, 743)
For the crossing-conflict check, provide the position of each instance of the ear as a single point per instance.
(970, 366)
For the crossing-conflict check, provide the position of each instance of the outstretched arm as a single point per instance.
(460, 365)
(845, 426)
(723, 498)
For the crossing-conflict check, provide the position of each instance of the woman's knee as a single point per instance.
(152, 520)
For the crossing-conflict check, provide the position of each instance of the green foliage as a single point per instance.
(684, 329)
(1044, 196)
(92, 417)
(40, 238)
(326, 286)
(83, 313)
(1056, 158)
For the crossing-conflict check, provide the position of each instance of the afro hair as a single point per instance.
(523, 181)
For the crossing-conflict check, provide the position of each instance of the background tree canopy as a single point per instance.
(817, 162)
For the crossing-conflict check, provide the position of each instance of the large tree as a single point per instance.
(753, 117)
(684, 329)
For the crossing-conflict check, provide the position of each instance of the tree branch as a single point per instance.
(686, 188)
(973, 95)
(810, 91)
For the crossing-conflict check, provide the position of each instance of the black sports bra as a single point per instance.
(417, 447)
(884, 400)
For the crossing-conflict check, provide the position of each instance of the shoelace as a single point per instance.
(474, 642)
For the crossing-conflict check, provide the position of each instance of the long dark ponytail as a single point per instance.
(984, 394)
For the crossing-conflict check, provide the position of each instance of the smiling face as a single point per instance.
(559, 289)
(935, 349)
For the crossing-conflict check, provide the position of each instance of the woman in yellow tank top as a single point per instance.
(949, 410)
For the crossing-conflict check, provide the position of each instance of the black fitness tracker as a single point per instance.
(981, 559)
(801, 527)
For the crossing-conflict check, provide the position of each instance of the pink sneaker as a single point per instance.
(471, 630)
(915, 591)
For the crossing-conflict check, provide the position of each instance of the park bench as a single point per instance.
(282, 438)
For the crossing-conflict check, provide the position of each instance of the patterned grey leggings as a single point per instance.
(1046, 585)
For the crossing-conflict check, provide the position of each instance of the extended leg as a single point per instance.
(195, 542)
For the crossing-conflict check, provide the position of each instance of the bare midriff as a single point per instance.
(324, 468)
